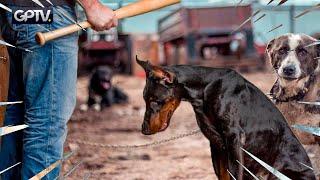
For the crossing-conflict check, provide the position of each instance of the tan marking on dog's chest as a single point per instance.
(292, 88)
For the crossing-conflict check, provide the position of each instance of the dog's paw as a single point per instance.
(84, 107)
(97, 107)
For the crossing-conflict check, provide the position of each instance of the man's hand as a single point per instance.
(99, 16)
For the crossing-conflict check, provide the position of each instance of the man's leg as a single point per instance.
(48, 83)
(50, 75)
(46, 80)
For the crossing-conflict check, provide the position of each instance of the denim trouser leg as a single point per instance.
(49, 79)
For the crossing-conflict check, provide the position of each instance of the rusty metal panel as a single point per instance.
(219, 18)
(173, 26)
(146, 47)
(214, 19)
(4, 79)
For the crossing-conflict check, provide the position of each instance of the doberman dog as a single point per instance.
(232, 114)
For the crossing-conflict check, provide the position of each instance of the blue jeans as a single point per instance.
(46, 81)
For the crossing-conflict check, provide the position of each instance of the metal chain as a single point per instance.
(154, 143)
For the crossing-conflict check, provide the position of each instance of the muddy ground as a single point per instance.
(187, 158)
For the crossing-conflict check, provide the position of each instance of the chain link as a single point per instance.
(151, 144)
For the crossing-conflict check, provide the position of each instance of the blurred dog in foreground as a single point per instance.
(296, 61)
(102, 93)
(232, 114)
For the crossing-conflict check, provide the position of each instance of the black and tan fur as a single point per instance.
(231, 113)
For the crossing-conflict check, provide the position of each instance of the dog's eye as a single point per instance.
(283, 51)
(302, 52)
(154, 105)
(154, 101)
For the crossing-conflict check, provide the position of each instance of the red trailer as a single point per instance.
(205, 36)
(105, 48)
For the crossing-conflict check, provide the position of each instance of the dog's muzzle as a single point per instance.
(289, 71)
(145, 129)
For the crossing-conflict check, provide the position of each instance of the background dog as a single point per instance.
(298, 70)
(101, 91)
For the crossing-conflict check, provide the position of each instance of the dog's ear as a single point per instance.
(144, 64)
(318, 58)
(269, 46)
(268, 49)
(156, 72)
(163, 75)
(318, 50)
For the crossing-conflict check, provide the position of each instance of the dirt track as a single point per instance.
(187, 158)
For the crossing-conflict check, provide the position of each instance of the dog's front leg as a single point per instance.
(91, 98)
(220, 162)
(234, 141)
(225, 154)
(208, 130)
(219, 154)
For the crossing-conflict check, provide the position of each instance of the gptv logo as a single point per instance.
(24, 15)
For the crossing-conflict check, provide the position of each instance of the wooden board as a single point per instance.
(4, 79)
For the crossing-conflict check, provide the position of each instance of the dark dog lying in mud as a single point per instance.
(232, 113)
(102, 93)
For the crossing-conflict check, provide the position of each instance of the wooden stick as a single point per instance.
(47, 170)
(140, 7)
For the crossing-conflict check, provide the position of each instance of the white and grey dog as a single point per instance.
(295, 59)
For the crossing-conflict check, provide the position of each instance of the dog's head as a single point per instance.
(291, 56)
(102, 77)
(160, 97)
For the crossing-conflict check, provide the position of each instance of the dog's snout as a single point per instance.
(289, 70)
(145, 128)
